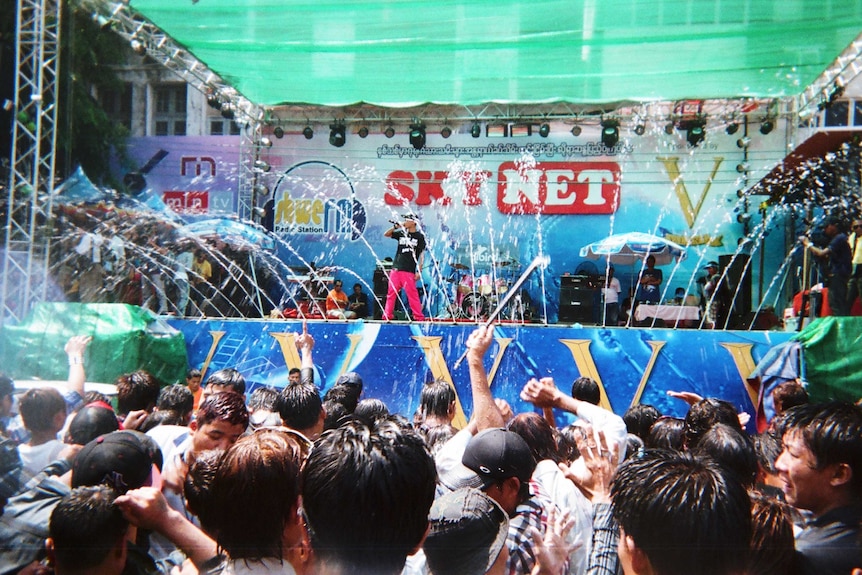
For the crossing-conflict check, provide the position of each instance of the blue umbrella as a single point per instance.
(238, 235)
(633, 247)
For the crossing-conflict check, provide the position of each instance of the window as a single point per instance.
(837, 114)
(117, 104)
(222, 127)
(169, 116)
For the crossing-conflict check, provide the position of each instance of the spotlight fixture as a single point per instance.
(337, 134)
(308, 132)
(138, 47)
(576, 131)
(640, 129)
(446, 131)
(363, 132)
(265, 142)
(742, 167)
(261, 190)
(668, 129)
(214, 102)
(389, 132)
(610, 133)
(766, 126)
(696, 132)
(544, 130)
(476, 130)
(227, 111)
(743, 218)
(417, 135)
(259, 212)
(278, 132)
(732, 128)
(743, 142)
(261, 166)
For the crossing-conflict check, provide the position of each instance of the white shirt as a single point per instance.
(34, 459)
(611, 293)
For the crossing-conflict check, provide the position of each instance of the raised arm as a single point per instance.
(305, 343)
(485, 411)
(74, 349)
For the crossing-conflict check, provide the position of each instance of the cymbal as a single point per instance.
(458, 266)
(504, 263)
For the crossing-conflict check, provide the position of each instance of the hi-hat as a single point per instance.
(458, 266)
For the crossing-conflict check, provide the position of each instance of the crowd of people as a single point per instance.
(203, 477)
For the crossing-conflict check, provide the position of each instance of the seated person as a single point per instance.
(337, 302)
(649, 283)
(358, 301)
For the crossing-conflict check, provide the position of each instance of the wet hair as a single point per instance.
(436, 397)
(355, 518)
(262, 398)
(370, 410)
(833, 433)
(229, 379)
(85, 527)
(666, 433)
(567, 441)
(703, 415)
(299, 405)
(176, 398)
(193, 372)
(639, 418)
(436, 436)
(94, 396)
(90, 422)
(224, 406)
(767, 448)
(136, 391)
(788, 394)
(38, 407)
(294, 370)
(249, 523)
(666, 496)
(634, 446)
(345, 394)
(198, 485)
(773, 550)
(538, 434)
(336, 414)
(586, 389)
(732, 449)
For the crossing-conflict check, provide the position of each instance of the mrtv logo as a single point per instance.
(317, 198)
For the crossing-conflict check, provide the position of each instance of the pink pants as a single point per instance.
(407, 281)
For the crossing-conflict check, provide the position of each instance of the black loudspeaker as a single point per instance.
(739, 282)
(576, 304)
(381, 286)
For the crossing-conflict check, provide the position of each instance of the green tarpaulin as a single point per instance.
(125, 338)
(832, 357)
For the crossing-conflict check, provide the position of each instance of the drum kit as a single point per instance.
(477, 295)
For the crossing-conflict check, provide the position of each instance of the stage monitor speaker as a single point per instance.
(739, 282)
(381, 285)
(576, 305)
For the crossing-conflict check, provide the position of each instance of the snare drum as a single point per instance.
(486, 286)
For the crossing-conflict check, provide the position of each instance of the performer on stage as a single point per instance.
(406, 266)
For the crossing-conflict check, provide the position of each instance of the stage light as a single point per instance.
(766, 127)
(476, 130)
(308, 132)
(265, 142)
(363, 132)
(743, 218)
(576, 131)
(640, 129)
(261, 166)
(446, 131)
(544, 130)
(696, 132)
(731, 129)
(227, 111)
(389, 132)
(610, 133)
(138, 47)
(743, 142)
(742, 168)
(261, 190)
(214, 102)
(259, 212)
(417, 136)
(337, 135)
(278, 132)
(668, 129)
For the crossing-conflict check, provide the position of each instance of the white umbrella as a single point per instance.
(633, 247)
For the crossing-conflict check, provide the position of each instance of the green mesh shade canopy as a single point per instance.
(408, 52)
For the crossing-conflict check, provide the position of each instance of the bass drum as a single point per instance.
(475, 306)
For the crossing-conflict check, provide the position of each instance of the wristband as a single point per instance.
(76, 360)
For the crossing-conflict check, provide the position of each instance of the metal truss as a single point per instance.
(28, 220)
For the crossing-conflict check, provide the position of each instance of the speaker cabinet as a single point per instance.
(576, 304)
(739, 282)
(381, 286)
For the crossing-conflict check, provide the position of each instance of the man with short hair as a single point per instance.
(437, 403)
(227, 379)
(820, 469)
(301, 409)
(337, 303)
(854, 284)
(649, 282)
(88, 533)
(406, 267)
(43, 411)
(193, 382)
(366, 492)
(678, 515)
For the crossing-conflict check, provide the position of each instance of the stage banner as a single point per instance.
(396, 359)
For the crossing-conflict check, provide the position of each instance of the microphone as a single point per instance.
(394, 223)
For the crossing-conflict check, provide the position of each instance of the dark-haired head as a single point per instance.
(586, 389)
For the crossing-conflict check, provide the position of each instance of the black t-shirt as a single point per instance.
(410, 245)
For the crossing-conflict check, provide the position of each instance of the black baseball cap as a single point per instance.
(122, 459)
(712, 264)
(495, 454)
